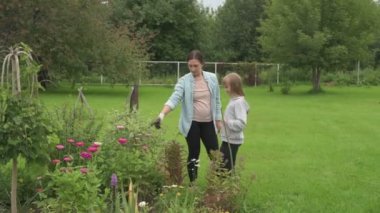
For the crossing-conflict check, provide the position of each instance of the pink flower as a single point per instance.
(123, 140)
(120, 127)
(84, 170)
(67, 159)
(56, 161)
(86, 155)
(79, 144)
(70, 140)
(92, 149)
(60, 147)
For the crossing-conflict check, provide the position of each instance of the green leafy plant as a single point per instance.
(371, 77)
(24, 128)
(28, 186)
(77, 123)
(175, 198)
(286, 87)
(73, 177)
(224, 190)
(125, 201)
(271, 88)
(72, 189)
(131, 150)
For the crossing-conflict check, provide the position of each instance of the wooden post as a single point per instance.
(358, 73)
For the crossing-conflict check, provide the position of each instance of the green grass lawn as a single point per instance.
(309, 153)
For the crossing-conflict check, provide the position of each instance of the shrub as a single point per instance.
(370, 77)
(72, 189)
(73, 184)
(222, 187)
(173, 164)
(77, 123)
(271, 88)
(122, 200)
(131, 150)
(286, 87)
(328, 77)
(28, 187)
(177, 198)
(344, 79)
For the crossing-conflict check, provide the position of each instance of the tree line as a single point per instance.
(72, 39)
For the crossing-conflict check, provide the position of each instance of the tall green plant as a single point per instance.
(174, 163)
(131, 150)
(73, 190)
(24, 129)
(224, 191)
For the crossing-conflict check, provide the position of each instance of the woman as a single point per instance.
(201, 116)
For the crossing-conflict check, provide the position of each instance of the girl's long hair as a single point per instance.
(234, 81)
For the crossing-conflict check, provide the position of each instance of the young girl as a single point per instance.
(235, 119)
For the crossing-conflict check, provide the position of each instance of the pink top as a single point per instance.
(201, 101)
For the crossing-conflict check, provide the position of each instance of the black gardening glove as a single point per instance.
(157, 123)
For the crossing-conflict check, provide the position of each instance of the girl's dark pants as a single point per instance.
(227, 155)
(198, 131)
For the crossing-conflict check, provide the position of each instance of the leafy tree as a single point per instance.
(208, 41)
(174, 25)
(319, 34)
(24, 128)
(72, 39)
(236, 34)
(376, 46)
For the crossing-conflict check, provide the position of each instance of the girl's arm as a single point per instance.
(239, 122)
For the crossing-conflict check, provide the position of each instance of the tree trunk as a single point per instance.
(14, 186)
(316, 80)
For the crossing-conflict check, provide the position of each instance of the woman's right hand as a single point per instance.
(157, 123)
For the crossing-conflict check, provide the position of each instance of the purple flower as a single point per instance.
(114, 180)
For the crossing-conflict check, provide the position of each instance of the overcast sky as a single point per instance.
(212, 3)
